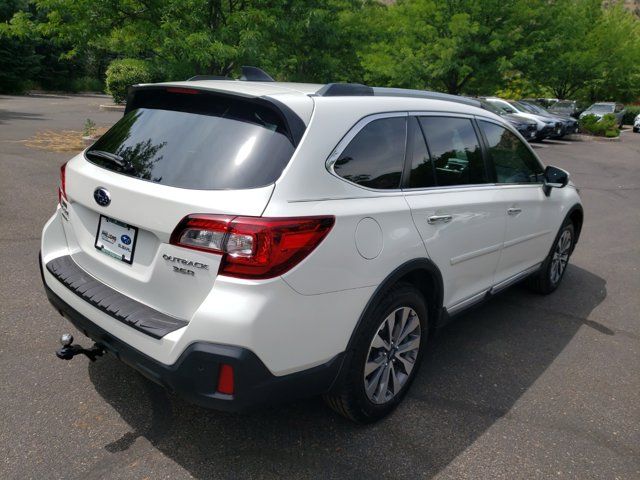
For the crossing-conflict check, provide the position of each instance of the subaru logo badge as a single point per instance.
(126, 239)
(102, 196)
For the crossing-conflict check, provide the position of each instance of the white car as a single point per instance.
(248, 242)
(547, 126)
(636, 124)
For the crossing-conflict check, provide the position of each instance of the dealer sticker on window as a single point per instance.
(116, 239)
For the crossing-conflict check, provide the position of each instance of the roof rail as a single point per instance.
(207, 77)
(404, 92)
(344, 90)
(359, 90)
(255, 74)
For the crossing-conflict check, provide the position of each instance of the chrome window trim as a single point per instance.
(470, 187)
(364, 121)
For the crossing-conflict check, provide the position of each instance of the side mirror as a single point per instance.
(554, 177)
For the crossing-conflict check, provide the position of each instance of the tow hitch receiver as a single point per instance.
(68, 351)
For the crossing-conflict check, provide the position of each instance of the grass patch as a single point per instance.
(60, 141)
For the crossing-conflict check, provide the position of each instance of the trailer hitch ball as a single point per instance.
(68, 350)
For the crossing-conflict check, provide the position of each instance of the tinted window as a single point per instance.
(600, 108)
(375, 156)
(512, 160)
(197, 141)
(455, 150)
(422, 169)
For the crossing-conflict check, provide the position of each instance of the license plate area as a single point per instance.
(116, 239)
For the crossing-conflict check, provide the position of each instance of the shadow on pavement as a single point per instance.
(473, 374)
(8, 116)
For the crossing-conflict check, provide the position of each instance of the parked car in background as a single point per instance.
(569, 124)
(547, 126)
(600, 109)
(545, 102)
(636, 124)
(525, 126)
(566, 107)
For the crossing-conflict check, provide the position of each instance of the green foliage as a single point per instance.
(439, 45)
(18, 58)
(612, 133)
(519, 87)
(631, 111)
(606, 126)
(585, 49)
(121, 74)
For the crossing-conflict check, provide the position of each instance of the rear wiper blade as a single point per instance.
(111, 157)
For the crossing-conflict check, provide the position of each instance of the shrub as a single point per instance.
(87, 84)
(121, 74)
(606, 126)
(89, 128)
(630, 114)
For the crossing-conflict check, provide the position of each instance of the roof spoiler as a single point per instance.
(255, 74)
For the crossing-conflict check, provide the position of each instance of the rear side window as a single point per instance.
(196, 140)
(455, 150)
(512, 160)
(375, 156)
(422, 169)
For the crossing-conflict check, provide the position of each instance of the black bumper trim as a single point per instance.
(194, 376)
(127, 310)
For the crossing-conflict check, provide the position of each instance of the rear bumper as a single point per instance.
(194, 376)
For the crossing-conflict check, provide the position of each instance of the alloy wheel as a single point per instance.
(392, 355)
(560, 257)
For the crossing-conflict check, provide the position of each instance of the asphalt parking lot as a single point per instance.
(523, 386)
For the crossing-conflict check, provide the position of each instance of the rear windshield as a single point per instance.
(600, 108)
(562, 105)
(196, 140)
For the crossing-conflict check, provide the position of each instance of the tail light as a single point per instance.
(62, 189)
(253, 247)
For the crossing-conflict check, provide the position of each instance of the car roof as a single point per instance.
(300, 97)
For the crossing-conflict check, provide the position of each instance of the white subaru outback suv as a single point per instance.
(247, 242)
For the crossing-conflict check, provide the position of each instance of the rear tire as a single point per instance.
(385, 359)
(548, 278)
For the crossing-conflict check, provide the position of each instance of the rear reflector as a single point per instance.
(253, 247)
(225, 379)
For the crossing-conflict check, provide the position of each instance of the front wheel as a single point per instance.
(386, 356)
(550, 274)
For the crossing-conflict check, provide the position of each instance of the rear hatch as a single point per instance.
(177, 151)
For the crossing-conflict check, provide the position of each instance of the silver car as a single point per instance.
(602, 108)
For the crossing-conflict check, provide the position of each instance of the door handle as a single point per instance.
(514, 211)
(439, 219)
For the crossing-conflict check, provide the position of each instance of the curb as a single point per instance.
(112, 108)
(581, 137)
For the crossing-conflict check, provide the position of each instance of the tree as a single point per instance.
(299, 39)
(443, 45)
(18, 58)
